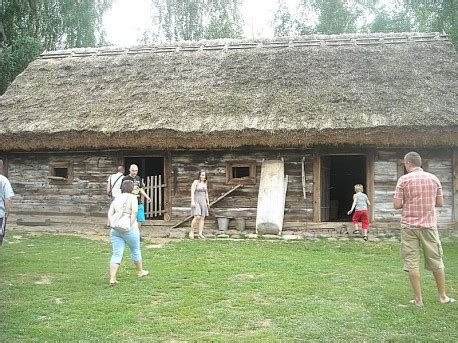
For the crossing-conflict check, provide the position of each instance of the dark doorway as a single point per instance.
(339, 174)
(151, 170)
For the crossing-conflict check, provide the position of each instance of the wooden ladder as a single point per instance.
(211, 204)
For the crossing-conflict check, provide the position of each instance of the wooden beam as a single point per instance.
(370, 181)
(211, 204)
(316, 185)
(455, 184)
(168, 189)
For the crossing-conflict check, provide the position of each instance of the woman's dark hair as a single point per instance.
(198, 175)
(127, 186)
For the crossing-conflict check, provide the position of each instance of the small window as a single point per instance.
(241, 172)
(60, 172)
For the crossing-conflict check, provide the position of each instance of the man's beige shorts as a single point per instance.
(432, 249)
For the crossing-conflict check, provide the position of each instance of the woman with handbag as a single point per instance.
(124, 230)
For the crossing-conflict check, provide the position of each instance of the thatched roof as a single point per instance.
(384, 89)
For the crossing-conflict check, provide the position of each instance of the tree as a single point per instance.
(15, 57)
(335, 16)
(320, 16)
(198, 19)
(344, 16)
(435, 15)
(391, 22)
(283, 20)
(30, 26)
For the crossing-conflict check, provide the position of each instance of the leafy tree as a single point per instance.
(30, 26)
(198, 19)
(225, 20)
(435, 16)
(20, 53)
(335, 16)
(283, 20)
(343, 16)
(320, 16)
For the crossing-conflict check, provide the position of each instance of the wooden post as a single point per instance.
(370, 182)
(304, 192)
(455, 185)
(159, 194)
(168, 186)
(316, 185)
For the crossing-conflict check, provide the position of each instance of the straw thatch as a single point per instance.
(386, 89)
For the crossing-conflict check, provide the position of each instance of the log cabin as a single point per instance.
(339, 110)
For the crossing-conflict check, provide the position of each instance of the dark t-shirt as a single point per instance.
(137, 180)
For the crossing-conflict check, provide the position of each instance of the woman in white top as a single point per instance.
(131, 237)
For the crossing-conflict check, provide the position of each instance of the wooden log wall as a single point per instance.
(85, 194)
(243, 202)
(439, 163)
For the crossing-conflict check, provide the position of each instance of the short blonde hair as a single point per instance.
(359, 187)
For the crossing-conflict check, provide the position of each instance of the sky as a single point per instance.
(127, 20)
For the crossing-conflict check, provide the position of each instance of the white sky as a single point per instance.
(127, 20)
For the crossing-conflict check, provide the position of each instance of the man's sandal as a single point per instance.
(449, 301)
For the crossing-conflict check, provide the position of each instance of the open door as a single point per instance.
(325, 186)
(152, 172)
(339, 174)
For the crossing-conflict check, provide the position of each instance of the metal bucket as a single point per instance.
(223, 223)
(240, 223)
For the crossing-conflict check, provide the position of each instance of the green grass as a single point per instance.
(55, 288)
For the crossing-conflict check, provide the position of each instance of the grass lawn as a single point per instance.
(55, 288)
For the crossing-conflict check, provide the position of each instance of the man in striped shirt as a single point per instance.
(418, 193)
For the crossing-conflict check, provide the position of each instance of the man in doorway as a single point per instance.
(138, 192)
(114, 186)
(6, 193)
(418, 193)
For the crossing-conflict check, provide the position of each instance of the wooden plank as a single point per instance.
(316, 185)
(271, 197)
(160, 196)
(168, 189)
(370, 182)
(303, 178)
(154, 190)
(211, 204)
(147, 191)
(455, 185)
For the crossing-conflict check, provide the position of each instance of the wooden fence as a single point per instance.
(155, 190)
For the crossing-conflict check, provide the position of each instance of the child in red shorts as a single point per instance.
(360, 204)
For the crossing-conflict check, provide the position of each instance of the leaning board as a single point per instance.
(271, 198)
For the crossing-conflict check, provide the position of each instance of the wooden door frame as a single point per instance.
(167, 156)
(455, 184)
(317, 179)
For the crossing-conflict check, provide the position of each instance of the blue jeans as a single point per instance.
(119, 240)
